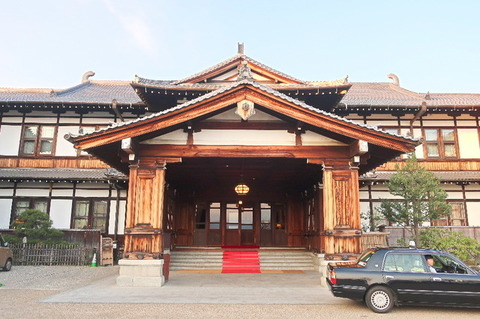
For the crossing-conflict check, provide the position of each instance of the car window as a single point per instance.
(404, 263)
(444, 263)
(365, 257)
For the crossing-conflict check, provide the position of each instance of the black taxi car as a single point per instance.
(385, 277)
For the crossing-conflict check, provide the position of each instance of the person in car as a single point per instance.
(430, 263)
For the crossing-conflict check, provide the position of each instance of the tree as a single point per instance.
(420, 198)
(36, 226)
(456, 243)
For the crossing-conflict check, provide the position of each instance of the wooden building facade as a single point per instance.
(190, 165)
(164, 164)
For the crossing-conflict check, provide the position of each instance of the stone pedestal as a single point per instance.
(321, 264)
(141, 273)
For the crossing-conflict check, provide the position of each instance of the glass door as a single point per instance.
(239, 226)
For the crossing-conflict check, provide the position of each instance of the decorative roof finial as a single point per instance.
(427, 96)
(396, 80)
(87, 75)
(241, 48)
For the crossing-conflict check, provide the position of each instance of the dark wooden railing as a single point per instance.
(51, 255)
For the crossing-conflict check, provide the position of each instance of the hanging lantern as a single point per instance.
(241, 189)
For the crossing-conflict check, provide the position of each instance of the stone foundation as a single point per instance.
(141, 273)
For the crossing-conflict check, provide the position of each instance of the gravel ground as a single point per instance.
(24, 287)
(53, 277)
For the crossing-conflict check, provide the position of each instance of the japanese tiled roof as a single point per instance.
(89, 92)
(237, 57)
(443, 176)
(389, 94)
(360, 94)
(260, 86)
(59, 174)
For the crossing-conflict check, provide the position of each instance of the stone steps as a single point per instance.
(270, 259)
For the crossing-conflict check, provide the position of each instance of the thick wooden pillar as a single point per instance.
(144, 221)
(341, 223)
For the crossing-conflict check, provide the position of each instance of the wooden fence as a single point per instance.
(51, 255)
(374, 239)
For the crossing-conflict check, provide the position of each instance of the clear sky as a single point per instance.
(430, 45)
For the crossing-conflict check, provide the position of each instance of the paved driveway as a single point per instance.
(83, 292)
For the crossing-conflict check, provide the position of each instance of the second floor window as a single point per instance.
(38, 140)
(440, 143)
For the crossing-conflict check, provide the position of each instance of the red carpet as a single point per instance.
(240, 261)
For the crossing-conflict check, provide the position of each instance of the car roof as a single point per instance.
(424, 251)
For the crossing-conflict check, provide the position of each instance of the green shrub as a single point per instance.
(36, 226)
(459, 245)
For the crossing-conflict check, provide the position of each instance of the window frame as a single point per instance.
(31, 205)
(90, 216)
(441, 143)
(37, 140)
(449, 220)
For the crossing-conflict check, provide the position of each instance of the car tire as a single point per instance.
(8, 265)
(380, 299)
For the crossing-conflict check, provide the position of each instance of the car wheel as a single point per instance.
(8, 265)
(380, 299)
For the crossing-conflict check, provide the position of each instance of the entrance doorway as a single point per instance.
(240, 224)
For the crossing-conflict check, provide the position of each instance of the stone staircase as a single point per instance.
(270, 259)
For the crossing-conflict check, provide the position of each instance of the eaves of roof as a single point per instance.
(443, 176)
(59, 174)
(251, 82)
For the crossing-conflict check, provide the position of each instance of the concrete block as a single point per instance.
(141, 273)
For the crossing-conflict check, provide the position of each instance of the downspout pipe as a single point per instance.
(420, 113)
(116, 110)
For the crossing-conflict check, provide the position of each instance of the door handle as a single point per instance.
(436, 279)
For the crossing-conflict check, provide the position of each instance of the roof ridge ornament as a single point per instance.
(244, 72)
(395, 79)
(87, 75)
(241, 48)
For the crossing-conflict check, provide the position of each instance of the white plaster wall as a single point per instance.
(121, 217)
(230, 116)
(243, 137)
(473, 211)
(417, 133)
(456, 195)
(178, 137)
(438, 123)
(69, 117)
(6, 191)
(96, 120)
(10, 118)
(60, 213)
(41, 119)
(64, 147)
(5, 211)
(62, 192)
(311, 138)
(11, 134)
(468, 143)
(91, 193)
(33, 192)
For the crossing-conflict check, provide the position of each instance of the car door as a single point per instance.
(454, 282)
(407, 275)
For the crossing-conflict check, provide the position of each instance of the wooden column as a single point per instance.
(144, 220)
(341, 223)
